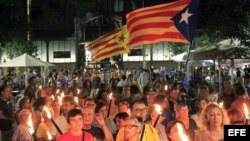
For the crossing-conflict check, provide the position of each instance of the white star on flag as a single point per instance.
(185, 16)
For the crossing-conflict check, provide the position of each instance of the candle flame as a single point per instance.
(166, 87)
(62, 95)
(78, 91)
(158, 109)
(221, 105)
(128, 112)
(52, 97)
(59, 99)
(57, 91)
(246, 111)
(47, 111)
(110, 96)
(182, 135)
(30, 124)
(49, 136)
(76, 99)
(40, 87)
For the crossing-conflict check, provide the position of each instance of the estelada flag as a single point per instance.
(110, 44)
(172, 22)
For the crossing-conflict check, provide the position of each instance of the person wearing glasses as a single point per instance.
(148, 132)
(133, 127)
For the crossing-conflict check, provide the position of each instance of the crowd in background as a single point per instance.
(112, 104)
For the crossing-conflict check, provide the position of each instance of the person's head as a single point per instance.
(126, 91)
(202, 104)
(67, 104)
(227, 84)
(150, 97)
(152, 112)
(235, 116)
(89, 102)
(138, 108)
(101, 108)
(214, 116)
(88, 116)
(56, 106)
(173, 93)
(39, 103)
(181, 111)
(123, 106)
(172, 130)
(133, 126)
(202, 92)
(120, 119)
(161, 100)
(24, 115)
(24, 103)
(134, 89)
(75, 119)
(5, 92)
(32, 80)
(240, 91)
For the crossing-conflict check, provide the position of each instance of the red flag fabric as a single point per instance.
(153, 24)
(109, 45)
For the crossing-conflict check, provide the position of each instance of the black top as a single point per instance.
(96, 132)
(7, 111)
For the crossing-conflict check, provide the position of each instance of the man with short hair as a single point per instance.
(61, 122)
(149, 133)
(101, 134)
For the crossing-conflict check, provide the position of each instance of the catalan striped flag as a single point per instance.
(110, 44)
(154, 24)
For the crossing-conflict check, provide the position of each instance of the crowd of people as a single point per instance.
(115, 105)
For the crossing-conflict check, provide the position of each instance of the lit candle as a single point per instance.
(246, 113)
(49, 136)
(59, 99)
(110, 102)
(57, 91)
(30, 124)
(128, 112)
(181, 132)
(76, 99)
(158, 109)
(40, 87)
(166, 87)
(221, 104)
(52, 97)
(51, 119)
(78, 91)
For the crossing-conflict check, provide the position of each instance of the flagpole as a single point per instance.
(186, 69)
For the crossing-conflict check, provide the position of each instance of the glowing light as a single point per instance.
(181, 132)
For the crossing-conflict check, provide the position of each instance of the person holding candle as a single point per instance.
(149, 133)
(75, 133)
(172, 130)
(152, 119)
(213, 121)
(102, 108)
(44, 126)
(24, 103)
(181, 112)
(99, 134)
(241, 99)
(21, 132)
(133, 128)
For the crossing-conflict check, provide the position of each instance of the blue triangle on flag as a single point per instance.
(185, 20)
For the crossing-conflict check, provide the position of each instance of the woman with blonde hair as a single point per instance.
(21, 132)
(212, 127)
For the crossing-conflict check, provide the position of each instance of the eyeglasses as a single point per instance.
(138, 110)
(130, 126)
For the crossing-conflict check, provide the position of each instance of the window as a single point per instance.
(61, 54)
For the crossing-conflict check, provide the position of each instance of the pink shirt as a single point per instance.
(67, 136)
